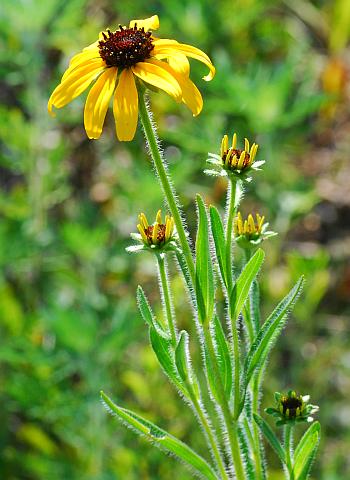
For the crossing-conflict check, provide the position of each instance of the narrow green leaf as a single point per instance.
(306, 450)
(218, 233)
(255, 305)
(270, 437)
(269, 332)
(240, 290)
(181, 356)
(144, 307)
(246, 454)
(162, 347)
(210, 374)
(161, 439)
(224, 357)
(186, 274)
(204, 271)
(146, 311)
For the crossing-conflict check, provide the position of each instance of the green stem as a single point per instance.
(151, 137)
(255, 388)
(288, 446)
(231, 424)
(169, 311)
(256, 433)
(212, 441)
(159, 164)
(231, 211)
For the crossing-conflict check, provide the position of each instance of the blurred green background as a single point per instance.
(68, 318)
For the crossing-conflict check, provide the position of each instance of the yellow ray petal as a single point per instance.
(171, 49)
(180, 64)
(158, 76)
(151, 23)
(97, 102)
(125, 106)
(190, 94)
(74, 85)
(80, 60)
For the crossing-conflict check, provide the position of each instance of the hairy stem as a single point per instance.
(212, 441)
(231, 210)
(169, 311)
(230, 423)
(163, 176)
(288, 447)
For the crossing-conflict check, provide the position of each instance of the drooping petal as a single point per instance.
(151, 23)
(191, 96)
(159, 77)
(171, 49)
(125, 106)
(180, 64)
(74, 84)
(97, 102)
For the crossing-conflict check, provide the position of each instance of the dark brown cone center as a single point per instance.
(126, 46)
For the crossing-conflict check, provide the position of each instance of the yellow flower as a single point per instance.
(116, 63)
(235, 159)
(248, 227)
(249, 233)
(157, 234)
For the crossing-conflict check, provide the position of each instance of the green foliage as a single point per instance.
(204, 269)
(68, 320)
(162, 439)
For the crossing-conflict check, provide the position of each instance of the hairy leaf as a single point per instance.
(161, 438)
(162, 347)
(269, 332)
(218, 233)
(240, 290)
(270, 437)
(204, 271)
(181, 356)
(306, 451)
(145, 309)
(224, 357)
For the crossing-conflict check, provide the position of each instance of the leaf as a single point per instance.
(144, 307)
(161, 439)
(224, 357)
(240, 290)
(245, 452)
(306, 451)
(204, 270)
(255, 305)
(270, 437)
(218, 233)
(269, 332)
(161, 345)
(183, 266)
(181, 356)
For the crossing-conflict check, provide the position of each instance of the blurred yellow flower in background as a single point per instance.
(116, 63)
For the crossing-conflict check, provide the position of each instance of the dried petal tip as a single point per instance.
(292, 408)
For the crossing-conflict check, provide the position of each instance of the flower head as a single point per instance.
(117, 63)
(292, 408)
(234, 161)
(156, 237)
(249, 233)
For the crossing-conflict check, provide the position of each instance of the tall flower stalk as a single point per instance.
(122, 65)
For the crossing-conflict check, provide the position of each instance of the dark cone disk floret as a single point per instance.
(126, 46)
